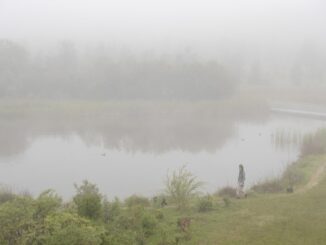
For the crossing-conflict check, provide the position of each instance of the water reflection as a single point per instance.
(286, 139)
(127, 153)
(156, 133)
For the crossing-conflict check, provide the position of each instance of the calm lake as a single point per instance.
(124, 160)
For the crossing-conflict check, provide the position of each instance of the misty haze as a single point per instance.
(162, 122)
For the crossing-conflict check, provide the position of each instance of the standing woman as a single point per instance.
(241, 180)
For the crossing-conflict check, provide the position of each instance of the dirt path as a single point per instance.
(314, 179)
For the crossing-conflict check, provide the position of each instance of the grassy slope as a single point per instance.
(298, 218)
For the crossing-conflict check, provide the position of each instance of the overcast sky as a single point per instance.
(160, 22)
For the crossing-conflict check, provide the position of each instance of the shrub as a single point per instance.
(16, 220)
(47, 202)
(205, 204)
(159, 214)
(226, 202)
(181, 186)
(139, 220)
(292, 176)
(119, 237)
(166, 235)
(227, 191)
(135, 200)
(148, 223)
(69, 229)
(111, 210)
(269, 186)
(88, 200)
(159, 201)
(6, 195)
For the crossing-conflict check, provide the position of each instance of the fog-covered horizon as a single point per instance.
(158, 49)
(165, 25)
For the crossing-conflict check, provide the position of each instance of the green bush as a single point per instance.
(205, 204)
(148, 223)
(69, 229)
(159, 215)
(140, 221)
(6, 195)
(292, 176)
(88, 200)
(166, 235)
(111, 210)
(119, 237)
(269, 186)
(16, 220)
(135, 200)
(47, 202)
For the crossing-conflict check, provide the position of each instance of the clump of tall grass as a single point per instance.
(205, 204)
(292, 176)
(269, 186)
(227, 191)
(314, 143)
(181, 187)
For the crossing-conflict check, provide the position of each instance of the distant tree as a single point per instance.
(13, 65)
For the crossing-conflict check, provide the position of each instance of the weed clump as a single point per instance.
(227, 202)
(227, 191)
(269, 186)
(314, 144)
(181, 186)
(135, 200)
(205, 204)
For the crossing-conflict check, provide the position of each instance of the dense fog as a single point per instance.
(164, 50)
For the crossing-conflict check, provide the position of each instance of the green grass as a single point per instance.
(295, 176)
(298, 218)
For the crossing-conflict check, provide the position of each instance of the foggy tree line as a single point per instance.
(69, 73)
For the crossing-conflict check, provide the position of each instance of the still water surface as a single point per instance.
(58, 159)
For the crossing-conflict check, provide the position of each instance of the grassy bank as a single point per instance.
(240, 105)
(279, 218)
